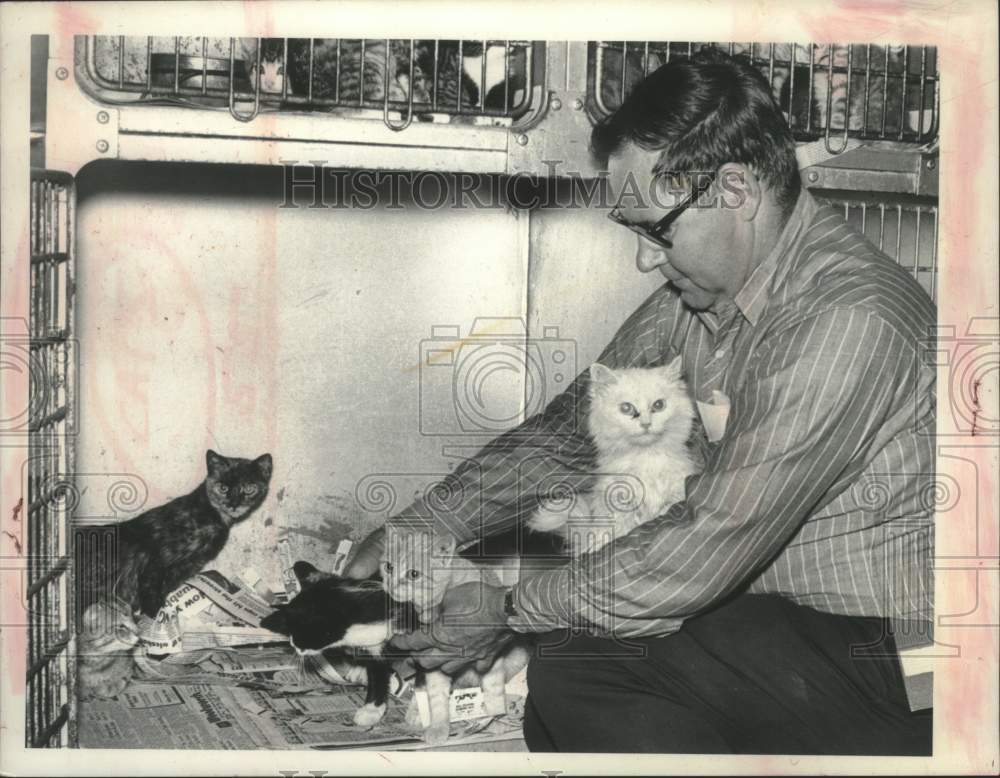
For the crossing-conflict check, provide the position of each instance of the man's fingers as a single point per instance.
(412, 641)
(430, 660)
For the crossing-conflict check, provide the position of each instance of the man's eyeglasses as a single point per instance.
(657, 232)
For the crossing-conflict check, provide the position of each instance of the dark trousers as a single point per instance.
(758, 675)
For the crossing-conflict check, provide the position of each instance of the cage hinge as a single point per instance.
(92, 132)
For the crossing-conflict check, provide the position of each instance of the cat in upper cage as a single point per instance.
(357, 72)
(264, 64)
(641, 420)
(132, 566)
(809, 82)
(824, 97)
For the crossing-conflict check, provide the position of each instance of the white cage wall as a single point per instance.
(156, 231)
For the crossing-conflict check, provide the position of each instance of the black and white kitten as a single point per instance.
(341, 617)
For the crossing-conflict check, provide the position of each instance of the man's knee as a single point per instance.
(546, 678)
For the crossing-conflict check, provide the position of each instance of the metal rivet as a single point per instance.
(813, 176)
(931, 164)
(522, 140)
(102, 117)
(556, 103)
(102, 146)
(577, 104)
(62, 74)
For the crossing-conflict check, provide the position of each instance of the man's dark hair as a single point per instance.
(702, 112)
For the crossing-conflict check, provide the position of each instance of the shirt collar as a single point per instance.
(752, 298)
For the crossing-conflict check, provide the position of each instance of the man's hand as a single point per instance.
(470, 629)
(367, 556)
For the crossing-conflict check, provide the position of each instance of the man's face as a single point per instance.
(710, 256)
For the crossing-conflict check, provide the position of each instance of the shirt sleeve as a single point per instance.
(817, 402)
(492, 490)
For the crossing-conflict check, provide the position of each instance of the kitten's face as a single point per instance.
(108, 626)
(638, 407)
(237, 487)
(416, 566)
(271, 74)
(333, 612)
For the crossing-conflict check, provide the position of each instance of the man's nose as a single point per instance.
(649, 256)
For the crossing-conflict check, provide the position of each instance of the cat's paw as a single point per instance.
(436, 734)
(413, 714)
(104, 689)
(495, 704)
(369, 714)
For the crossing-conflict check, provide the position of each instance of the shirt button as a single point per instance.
(720, 353)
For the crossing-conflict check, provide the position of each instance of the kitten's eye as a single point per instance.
(250, 489)
(657, 406)
(628, 409)
(221, 488)
(412, 574)
(388, 567)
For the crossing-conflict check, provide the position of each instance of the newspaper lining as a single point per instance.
(208, 676)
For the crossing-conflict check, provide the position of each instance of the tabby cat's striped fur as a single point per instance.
(353, 72)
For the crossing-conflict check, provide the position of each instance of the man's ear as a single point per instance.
(740, 190)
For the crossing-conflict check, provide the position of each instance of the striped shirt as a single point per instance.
(821, 488)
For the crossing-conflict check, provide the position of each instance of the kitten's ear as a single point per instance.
(214, 461)
(264, 464)
(306, 572)
(673, 369)
(444, 546)
(601, 375)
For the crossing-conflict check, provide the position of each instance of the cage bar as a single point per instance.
(203, 75)
(51, 677)
(905, 232)
(831, 91)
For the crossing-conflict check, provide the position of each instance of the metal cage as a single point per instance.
(224, 74)
(51, 679)
(907, 232)
(828, 91)
(476, 81)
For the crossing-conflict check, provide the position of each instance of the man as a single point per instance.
(753, 616)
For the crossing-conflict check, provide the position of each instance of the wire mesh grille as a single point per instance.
(831, 90)
(906, 232)
(51, 701)
(406, 79)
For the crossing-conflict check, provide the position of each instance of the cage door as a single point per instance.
(51, 670)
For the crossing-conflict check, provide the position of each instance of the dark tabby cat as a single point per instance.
(105, 640)
(140, 561)
(333, 615)
(362, 82)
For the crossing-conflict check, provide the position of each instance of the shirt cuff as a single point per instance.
(543, 602)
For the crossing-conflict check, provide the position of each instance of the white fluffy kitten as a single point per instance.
(640, 420)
